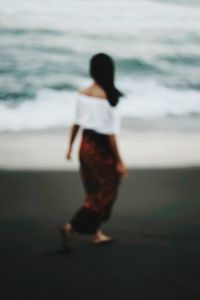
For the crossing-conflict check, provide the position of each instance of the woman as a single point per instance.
(101, 166)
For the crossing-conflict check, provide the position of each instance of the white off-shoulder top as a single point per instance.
(97, 114)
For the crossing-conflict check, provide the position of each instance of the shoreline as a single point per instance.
(147, 149)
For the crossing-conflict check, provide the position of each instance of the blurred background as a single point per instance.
(45, 48)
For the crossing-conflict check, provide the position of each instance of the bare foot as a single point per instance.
(100, 237)
(66, 234)
(69, 230)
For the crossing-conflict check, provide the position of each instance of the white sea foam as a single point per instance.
(48, 43)
(55, 109)
(150, 100)
(49, 109)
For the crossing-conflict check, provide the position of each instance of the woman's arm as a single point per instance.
(121, 168)
(73, 133)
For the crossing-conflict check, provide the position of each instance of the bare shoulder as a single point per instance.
(93, 91)
(84, 91)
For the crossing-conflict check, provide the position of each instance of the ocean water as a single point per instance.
(46, 45)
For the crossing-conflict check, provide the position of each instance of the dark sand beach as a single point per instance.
(156, 223)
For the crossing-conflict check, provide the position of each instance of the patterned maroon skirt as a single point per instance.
(100, 180)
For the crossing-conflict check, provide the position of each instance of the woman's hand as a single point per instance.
(122, 169)
(74, 131)
(68, 154)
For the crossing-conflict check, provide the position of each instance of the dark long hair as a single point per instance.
(102, 70)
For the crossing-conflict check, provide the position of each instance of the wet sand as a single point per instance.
(45, 150)
(156, 223)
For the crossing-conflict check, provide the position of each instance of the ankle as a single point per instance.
(98, 234)
(68, 226)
